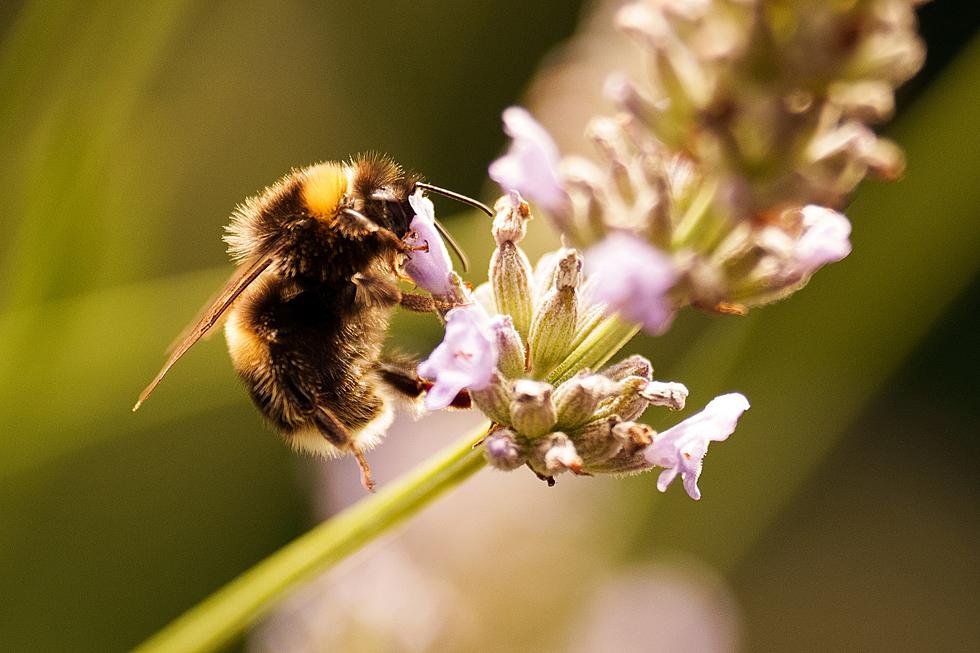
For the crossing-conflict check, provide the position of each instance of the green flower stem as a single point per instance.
(596, 349)
(225, 614)
(693, 224)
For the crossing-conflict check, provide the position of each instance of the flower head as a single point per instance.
(531, 164)
(703, 163)
(429, 266)
(551, 411)
(681, 448)
(466, 358)
(633, 278)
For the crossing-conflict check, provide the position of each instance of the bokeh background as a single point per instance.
(843, 515)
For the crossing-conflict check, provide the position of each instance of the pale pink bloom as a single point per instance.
(466, 357)
(681, 448)
(825, 239)
(531, 164)
(430, 268)
(632, 277)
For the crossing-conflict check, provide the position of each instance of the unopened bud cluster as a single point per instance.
(523, 347)
(585, 425)
(548, 414)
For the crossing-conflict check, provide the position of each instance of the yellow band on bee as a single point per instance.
(323, 188)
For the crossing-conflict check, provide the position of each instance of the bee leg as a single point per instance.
(398, 373)
(366, 481)
(418, 303)
(371, 290)
(424, 303)
(354, 225)
(339, 435)
(400, 376)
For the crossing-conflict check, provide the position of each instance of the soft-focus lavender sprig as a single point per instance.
(732, 158)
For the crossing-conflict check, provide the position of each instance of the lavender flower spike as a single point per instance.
(633, 278)
(430, 268)
(466, 357)
(681, 448)
(531, 164)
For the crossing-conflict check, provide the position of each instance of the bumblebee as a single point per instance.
(307, 309)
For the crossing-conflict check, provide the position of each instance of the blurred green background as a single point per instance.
(842, 516)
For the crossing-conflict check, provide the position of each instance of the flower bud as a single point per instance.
(628, 404)
(531, 408)
(886, 160)
(866, 100)
(633, 436)
(621, 463)
(577, 399)
(553, 326)
(555, 454)
(510, 221)
(671, 395)
(512, 356)
(502, 450)
(635, 365)
(510, 272)
(595, 442)
(544, 273)
(494, 399)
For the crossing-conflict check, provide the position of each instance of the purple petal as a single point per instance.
(632, 277)
(681, 448)
(531, 164)
(466, 357)
(429, 269)
(825, 239)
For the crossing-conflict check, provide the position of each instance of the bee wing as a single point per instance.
(239, 281)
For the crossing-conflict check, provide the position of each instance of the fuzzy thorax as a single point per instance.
(323, 188)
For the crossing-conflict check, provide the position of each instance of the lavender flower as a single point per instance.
(550, 411)
(712, 188)
(531, 164)
(681, 448)
(633, 278)
(824, 240)
(430, 268)
(466, 358)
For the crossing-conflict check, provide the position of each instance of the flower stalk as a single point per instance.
(220, 618)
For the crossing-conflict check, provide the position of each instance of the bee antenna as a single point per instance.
(446, 236)
(456, 196)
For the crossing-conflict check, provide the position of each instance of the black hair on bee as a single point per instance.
(308, 307)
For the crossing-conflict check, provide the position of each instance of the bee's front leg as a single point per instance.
(418, 303)
(375, 290)
(398, 373)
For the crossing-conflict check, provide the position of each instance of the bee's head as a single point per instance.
(380, 188)
(373, 186)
